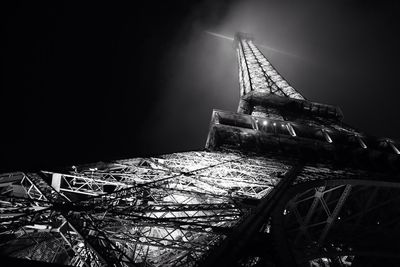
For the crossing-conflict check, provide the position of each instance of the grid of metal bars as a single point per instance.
(257, 74)
(170, 209)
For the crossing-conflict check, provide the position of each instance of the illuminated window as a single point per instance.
(291, 130)
(361, 142)
(395, 149)
(326, 135)
(255, 124)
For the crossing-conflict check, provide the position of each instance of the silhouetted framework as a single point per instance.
(282, 182)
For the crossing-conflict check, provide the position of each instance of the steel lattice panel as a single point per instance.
(166, 210)
(257, 74)
(189, 208)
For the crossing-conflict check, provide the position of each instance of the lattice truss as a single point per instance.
(333, 223)
(167, 210)
(256, 72)
(325, 172)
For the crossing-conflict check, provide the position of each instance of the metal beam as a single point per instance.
(228, 253)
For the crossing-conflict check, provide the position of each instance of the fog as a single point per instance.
(88, 83)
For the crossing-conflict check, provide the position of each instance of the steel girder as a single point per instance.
(167, 210)
(338, 222)
(187, 208)
(257, 74)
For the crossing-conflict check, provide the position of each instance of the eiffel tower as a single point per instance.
(281, 182)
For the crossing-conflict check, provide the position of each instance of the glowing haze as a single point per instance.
(83, 83)
(257, 44)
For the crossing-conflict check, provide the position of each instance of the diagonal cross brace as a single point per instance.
(229, 251)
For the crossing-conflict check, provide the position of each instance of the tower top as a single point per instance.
(256, 73)
(243, 36)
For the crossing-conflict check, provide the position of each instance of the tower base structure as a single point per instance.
(282, 182)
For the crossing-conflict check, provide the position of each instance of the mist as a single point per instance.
(101, 82)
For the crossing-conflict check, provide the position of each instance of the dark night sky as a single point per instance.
(88, 82)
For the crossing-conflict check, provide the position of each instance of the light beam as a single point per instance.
(220, 35)
(259, 45)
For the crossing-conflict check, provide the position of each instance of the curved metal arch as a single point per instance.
(373, 254)
(335, 182)
(283, 247)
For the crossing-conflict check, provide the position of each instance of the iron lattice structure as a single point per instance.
(282, 182)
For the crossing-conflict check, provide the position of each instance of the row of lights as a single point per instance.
(326, 135)
(288, 126)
